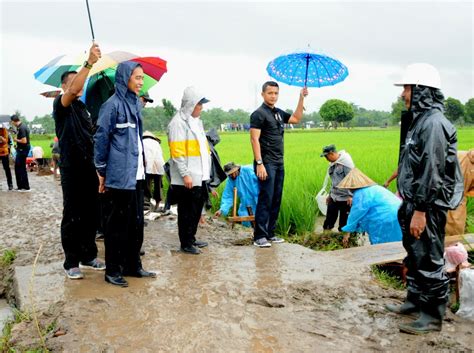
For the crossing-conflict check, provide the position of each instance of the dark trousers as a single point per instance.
(79, 221)
(6, 168)
(123, 211)
(336, 209)
(190, 203)
(426, 277)
(269, 201)
(100, 214)
(153, 182)
(21, 174)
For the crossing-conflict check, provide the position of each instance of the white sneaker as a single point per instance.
(74, 273)
(276, 240)
(262, 243)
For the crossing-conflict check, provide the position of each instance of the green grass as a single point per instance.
(326, 241)
(44, 141)
(375, 152)
(387, 280)
(8, 257)
(23, 316)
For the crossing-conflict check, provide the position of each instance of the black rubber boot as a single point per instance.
(411, 306)
(429, 321)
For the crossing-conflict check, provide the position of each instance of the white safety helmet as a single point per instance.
(420, 74)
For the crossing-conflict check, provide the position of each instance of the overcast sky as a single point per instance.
(223, 47)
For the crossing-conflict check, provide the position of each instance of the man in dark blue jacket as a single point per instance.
(119, 160)
(430, 183)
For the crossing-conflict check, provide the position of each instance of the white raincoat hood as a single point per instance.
(191, 97)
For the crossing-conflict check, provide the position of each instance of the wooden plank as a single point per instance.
(465, 239)
(241, 219)
(372, 254)
(387, 252)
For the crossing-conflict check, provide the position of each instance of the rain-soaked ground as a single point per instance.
(229, 299)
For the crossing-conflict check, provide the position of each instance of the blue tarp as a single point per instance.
(374, 210)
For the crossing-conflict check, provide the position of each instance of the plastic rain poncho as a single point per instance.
(374, 210)
(247, 192)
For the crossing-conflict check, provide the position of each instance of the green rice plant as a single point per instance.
(326, 241)
(387, 280)
(470, 215)
(374, 151)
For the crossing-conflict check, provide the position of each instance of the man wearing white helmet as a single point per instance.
(430, 183)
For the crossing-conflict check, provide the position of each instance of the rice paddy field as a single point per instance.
(375, 152)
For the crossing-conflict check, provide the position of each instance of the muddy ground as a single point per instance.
(229, 299)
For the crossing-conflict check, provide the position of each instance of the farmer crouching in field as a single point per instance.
(119, 159)
(78, 176)
(244, 179)
(190, 167)
(374, 209)
(430, 183)
(267, 126)
(339, 201)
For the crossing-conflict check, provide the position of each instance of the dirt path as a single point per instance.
(229, 299)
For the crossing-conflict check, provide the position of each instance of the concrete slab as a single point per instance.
(6, 313)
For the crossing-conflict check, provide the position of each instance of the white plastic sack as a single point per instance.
(322, 196)
(466, 307)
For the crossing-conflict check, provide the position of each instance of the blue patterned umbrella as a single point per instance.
(307, 69)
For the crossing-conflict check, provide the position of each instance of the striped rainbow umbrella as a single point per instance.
(50, 74)
(99, 85)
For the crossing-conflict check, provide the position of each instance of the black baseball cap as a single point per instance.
(328, 149)
(146, 97)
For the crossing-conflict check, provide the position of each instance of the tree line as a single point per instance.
(334, 112)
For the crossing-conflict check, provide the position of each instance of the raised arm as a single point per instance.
(74, 89)
(298, 114)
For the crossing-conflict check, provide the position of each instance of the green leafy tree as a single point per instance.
(169, 108)
(397, 107)
(46, 121)
(469, 111)
(454, 109)
(336, 111)
(213, 118)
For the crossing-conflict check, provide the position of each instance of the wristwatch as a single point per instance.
(259, 162)
(87, 65)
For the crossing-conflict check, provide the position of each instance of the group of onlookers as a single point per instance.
(22, 143)
(118, 161)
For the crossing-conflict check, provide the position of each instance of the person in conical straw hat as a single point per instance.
(374, 209)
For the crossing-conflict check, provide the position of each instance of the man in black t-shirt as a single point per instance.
(79, 180)
(266, 133)
(22, 140)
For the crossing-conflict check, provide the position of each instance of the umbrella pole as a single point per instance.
(90, 20)
(307, 67)
(306, 76)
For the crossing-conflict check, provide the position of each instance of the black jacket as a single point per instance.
(217, 173)
(428, 172)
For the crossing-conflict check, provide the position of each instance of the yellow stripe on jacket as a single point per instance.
(186, 148)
